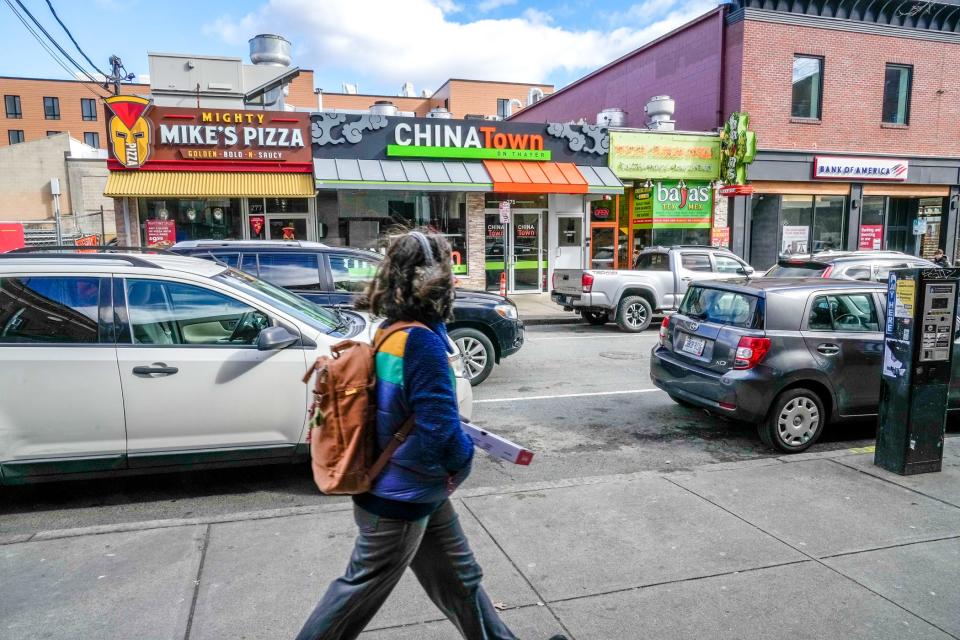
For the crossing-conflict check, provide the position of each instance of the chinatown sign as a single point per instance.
(841, 168)
(342, 136)
(640, 155)
(143, 136)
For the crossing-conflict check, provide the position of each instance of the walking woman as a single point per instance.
(406, 519)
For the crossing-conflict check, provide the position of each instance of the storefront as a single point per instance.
(671, 181)
(827, 202)
(511, 198)
(189, 174)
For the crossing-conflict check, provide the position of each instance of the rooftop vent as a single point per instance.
(612, 117)
(383, 108)
(439, 112)
(659, 110)
(269, 49)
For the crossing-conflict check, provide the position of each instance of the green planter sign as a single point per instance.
(672, 204)
(637, 155)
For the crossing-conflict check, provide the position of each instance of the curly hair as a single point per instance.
(408, 286)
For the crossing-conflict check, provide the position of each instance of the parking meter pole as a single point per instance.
(917, 362)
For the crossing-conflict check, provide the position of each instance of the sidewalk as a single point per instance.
(539, 309)
(810, 546)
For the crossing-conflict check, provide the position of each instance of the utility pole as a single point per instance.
(117, 75)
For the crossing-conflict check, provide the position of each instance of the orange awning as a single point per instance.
(535, 177)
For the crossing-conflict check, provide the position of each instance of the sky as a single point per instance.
(376, 44)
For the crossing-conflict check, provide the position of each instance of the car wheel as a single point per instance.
(795, 422)
(478, 354)
(596, 318)
(634, 314)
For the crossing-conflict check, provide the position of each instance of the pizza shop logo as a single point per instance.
(129, 130)
(680, 196)
(229, 130)
(464, 141)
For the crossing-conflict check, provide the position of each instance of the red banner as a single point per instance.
(871, 236)
(11, 236)
(161, 233)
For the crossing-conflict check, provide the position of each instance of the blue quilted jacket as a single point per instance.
(414, 376)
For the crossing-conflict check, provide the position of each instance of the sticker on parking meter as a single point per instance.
(906, 296)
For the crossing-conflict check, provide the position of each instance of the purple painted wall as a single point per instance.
(684, 64)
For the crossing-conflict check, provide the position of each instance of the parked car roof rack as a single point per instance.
(109, 253)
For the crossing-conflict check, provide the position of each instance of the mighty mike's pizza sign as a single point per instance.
(142, 136)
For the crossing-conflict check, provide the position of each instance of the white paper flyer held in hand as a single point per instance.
(496, 446)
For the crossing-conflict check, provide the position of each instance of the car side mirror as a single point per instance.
(745, 270)
(275, 339)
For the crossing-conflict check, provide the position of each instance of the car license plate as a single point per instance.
(694, 345)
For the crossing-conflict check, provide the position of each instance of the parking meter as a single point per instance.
(917, 360)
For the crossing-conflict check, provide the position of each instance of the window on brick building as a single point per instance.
(897, 85)
(92, 138)
(12, 104)
(51, 108)
(503, 107)
(14, 136)
(88, 106)
(52, 133)
(807, 87)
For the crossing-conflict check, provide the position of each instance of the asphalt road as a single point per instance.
(579, 396)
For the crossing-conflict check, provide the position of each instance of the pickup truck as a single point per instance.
(657, 283)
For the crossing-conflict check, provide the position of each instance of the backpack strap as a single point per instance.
(401, 435)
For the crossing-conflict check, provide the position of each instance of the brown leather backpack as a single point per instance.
(343, 427)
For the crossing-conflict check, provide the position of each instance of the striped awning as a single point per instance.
(486, 176)
(199, 184)
(401, 174)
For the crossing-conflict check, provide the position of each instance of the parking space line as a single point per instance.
(536, 338)
(565, 395)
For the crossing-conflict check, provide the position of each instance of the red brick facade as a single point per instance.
(853, 75)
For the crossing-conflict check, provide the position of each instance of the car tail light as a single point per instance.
(750, 351)
(586, 280)
(664, 329)
(553, 280)
(827, 272)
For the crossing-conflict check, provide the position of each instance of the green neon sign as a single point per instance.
(468, 153)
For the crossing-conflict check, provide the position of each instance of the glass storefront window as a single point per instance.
(796, 214)
(369, 218)
(213, 219)
(828, 215)
(601, 247)
(494, 247)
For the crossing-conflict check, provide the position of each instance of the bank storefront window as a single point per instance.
(369, 218)
(174, 219)
(801, 224)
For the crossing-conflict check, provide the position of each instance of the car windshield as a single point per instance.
(795, 271)
(314, 315)
(723, 307)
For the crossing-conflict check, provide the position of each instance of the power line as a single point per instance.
(47, 48)
(73, 40)
(54, 42)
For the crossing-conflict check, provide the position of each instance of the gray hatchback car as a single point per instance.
(789, 355)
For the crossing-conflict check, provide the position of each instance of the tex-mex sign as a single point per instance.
(377, 137)
(143, 136)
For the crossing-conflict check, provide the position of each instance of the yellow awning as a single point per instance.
(199, 184)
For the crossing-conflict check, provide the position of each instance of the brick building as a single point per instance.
(854, 105)
(460, 97)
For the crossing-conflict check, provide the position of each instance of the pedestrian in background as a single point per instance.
(940, 259)
(407, 519)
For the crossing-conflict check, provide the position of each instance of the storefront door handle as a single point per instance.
(156, 369)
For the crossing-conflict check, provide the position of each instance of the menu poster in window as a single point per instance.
(642, 206)
(256, 227)
(161, 233)
(871, 236)
(720, 237)
(794, 240)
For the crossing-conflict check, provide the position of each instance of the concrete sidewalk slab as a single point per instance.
(584, 540)
(825, 508)
(923, 578)
(118, 585)
(794, 602)
(535, 623)
(294, 559)
(944, 485)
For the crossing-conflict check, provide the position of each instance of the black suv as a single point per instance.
(867, 266)
(485, 326)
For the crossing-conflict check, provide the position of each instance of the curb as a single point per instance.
(344, 504)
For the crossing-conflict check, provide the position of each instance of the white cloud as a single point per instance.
(485, 6)
(390, 42)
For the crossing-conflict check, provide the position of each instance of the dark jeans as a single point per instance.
(436, 549)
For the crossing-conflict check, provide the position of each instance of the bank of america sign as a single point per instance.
(839, 168)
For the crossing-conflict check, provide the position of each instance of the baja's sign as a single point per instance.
(673, 205)
(841, 168)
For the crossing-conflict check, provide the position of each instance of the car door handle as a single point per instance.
(828, 349)
(687, 279)
(155, 369)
